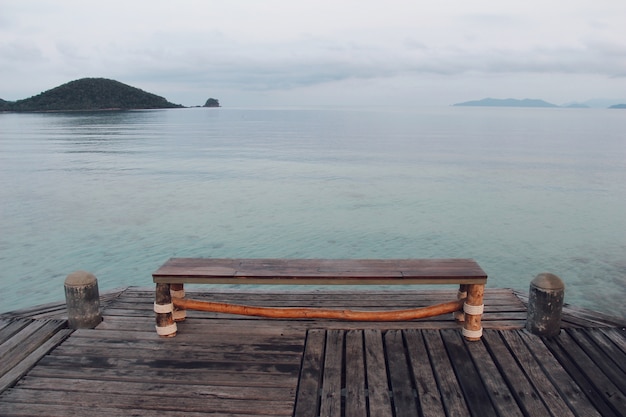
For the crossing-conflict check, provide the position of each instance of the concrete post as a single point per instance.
(82, 300)
(545, 303)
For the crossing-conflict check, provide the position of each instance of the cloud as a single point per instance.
(282, 46)
(268, 66)
(17, 52)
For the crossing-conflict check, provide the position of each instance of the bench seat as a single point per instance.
(320, 271)
(176, 272)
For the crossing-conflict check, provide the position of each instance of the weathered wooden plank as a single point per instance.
(312, 267)
(221, 328)
(544, 387)
(362, 279)
(497, 388)
(237, 344)
(474, 391)
(163, 387)
(77, 410)
(402, 388)
(523, 391)
(260, 292)
(562, 381)
(449, 388)
(617, 336)
(330, 398)
(245, 340)
(303, 293)
(608, 347)
(377, 383)
(50, 309)
(608, 362)
(428, 395)
(257, 361)
(159, 353)
(211, 328)
(360, 302)
(355, 404)
(169, 364)
(27, 340)
(173, 376)
(589, 318)
(307, 398)
(11, 328)
(58, 310)
(150, 402)
(3, 323)
(601, 383)
(18, 370)
(568, 363)
(321, 271)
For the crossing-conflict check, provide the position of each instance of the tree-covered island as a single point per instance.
(90, 94)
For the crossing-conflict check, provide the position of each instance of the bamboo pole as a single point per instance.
(472, 328)
(315, 313)
(165, 325)
(459, 316)
(178, 291)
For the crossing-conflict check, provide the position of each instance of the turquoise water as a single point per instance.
(523, 191)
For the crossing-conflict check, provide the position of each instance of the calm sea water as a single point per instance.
(523, 191)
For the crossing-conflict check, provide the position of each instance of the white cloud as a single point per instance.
(281, 49)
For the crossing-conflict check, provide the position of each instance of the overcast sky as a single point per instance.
(321, 52)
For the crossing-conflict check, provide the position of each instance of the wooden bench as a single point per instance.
(171, 277)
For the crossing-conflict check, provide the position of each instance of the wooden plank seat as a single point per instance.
(170, 303)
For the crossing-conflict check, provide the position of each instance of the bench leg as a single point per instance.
(178, 291)
(459, 316)
(473, 308)
(165, 325)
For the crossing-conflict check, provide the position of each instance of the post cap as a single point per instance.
(548, 281)
(80, 279)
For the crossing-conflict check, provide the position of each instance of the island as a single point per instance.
(575, 106)
(618, 106)
(509, 102)
(212, 102)
(89, 94)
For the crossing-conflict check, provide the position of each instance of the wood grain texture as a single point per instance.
(240, 366)
(320, 271)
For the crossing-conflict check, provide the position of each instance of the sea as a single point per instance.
(521, 190)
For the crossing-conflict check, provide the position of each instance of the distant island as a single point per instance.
(212, 102)
(89, 94)
(527, 102)
(576, 106)
(508, 102)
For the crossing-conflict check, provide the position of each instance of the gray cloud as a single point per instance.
(18, 52)
(285, 66)
(263, 48)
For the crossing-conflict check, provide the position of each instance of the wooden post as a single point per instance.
(545, 304)
(459, 316)
(178, 292)
(473, 308)
(163, 307)
(82, 300)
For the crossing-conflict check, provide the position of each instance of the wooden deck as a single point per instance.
(221, 365)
